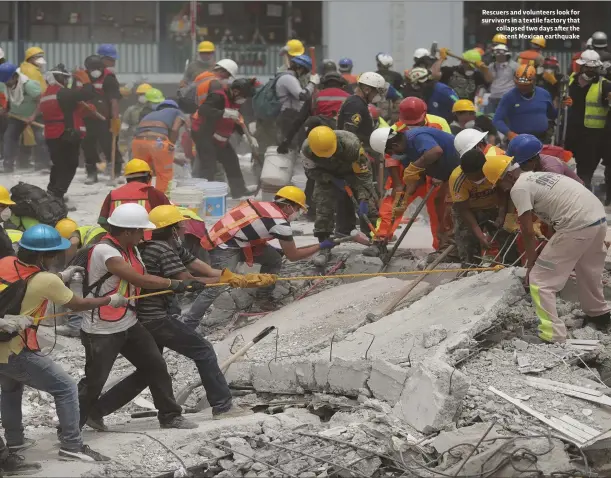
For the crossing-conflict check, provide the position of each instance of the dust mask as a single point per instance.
(6, 214)
(40, 62)
(95, 74)
(112, 69)
(294, 215)
(469, 72)
(377, 98)
(587, 77)
(142, 99)
(240, 101)
(470, 124)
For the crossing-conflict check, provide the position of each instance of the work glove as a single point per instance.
(511, 223)
(231, 114)
(363, 208)
(115, 126)
(118, 300)
(327, 244)
(568, 101)
(339, 183)
(125, 91)
(315, 79)
(480, 65)
(511, 135)
(254, 144)
(252, 127)
(187, 285)
(68, 273)
(16, 323)
(248, 280)
(550, 77)
(399, 206)
(82, 76)
(283, 148)
(443, 53)
(412, 173)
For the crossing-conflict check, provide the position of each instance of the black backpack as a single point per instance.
(11, 296)
(32, 201)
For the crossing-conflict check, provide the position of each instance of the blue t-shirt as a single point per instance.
(441, 101)
(165, 115)
(524, 115)
(420, 140)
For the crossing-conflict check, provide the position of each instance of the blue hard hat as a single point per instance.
(345, 64)
(524, 147)
(43, 238)
(167, 104)
(302, 60)
(7, 71)
(108, 50)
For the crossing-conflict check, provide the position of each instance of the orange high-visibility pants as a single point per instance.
(159, 154)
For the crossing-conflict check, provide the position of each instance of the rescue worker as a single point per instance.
(335, 161)
(502, 71)
(475, 203)
(23, 95)
(138, 189)
(328, 66)
(131, 117)
(471, 138)
(345, 66)
(384, 62)
(533, 56)
(439, 97)
(579, 219)
(587, 116)
(466, 117)
(153, 97)
(6, 244)
(423, 59)
(62, 111)
(413, 113)
(164, 256)
(100, 133)
(115, 267)
(378, 121)
(331, 96)
(20, 361)
(33, 66)
(203, 62)
(155, 138)
(465, 79)
(551, 78)
(599, 45)
(220, 115)
(499, 39)
(526, 108)
(292, 49)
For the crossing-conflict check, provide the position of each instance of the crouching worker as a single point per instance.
(114, 267)
(20, 362)
(580, 222)
(165, 256)
(242, 235)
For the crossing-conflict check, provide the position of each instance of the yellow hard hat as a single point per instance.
(33, 51)
(206, 47)
(495, 167)
(293, 194)
(322, 141)
(166, 215)
(499, 38)
(66, 227)
(143, 88)
(188, 213)
(538, 40)
(463, 105)
(295, 47)
(5, 197)
(136, 166)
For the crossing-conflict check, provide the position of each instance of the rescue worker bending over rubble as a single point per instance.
(131, 117)
(471, 138)
(579, 219)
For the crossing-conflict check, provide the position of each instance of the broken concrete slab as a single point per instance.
(346, 377)
(387, 380)
(434, 336)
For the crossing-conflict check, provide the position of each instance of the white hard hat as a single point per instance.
(589, 58)
(421, 53)
(384, 59)
(419, 75)
(500, 47)
(370, 78)
(378, 139)
(228, 65)
(131, 216)
(589, 42)
(467, 139)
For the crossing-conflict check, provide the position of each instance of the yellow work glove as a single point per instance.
(443, 53)
(399, 205)
(260, 280)
(481, 65)
(125, 92)
(115, 126)
(412, 173)
(28, 136)
(511, 223)
(550, 77)
(537, 229)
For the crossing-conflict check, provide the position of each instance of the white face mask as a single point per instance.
(142, 99)
(539, 70)
(469, 72)
(587, 77)
(112, 69)
(95, 74)
(240, 101)
(377, 98)
(481, 181)
(6, 214)
(294, 215)
(470, 124)
(40, 61)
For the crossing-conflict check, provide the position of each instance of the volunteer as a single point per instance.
(413, 113)
(114, 267)
(220, 117)
(471, 138)
(502, 71)
(328, 66)
(475, 203)
(533, 56)
(384, 62)
(465, 79)
(345, 66)
(242, 235)
(23, 95)
(100, 132)
(466, 117)
(20, 361)
(335, 160)
(600, 46)
(33, 66)
(292, 49)
(551, 78)
(439, 97)
(203, 62)
(154, 141)
(423, 58)
(62, 113)
(579, 219)
(153, 97)
(131, 117)
(526, 108)
(6, 245)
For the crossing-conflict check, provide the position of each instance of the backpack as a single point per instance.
(32, 201)
(265, 102)
(187, 98)
(11, 297)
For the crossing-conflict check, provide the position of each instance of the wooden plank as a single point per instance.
(592, 431)
(602, 400)
(576, 388)
(574, 430)
(539, 416)
(583, 341)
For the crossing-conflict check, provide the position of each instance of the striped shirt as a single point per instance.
(262, 228)
(163, 260)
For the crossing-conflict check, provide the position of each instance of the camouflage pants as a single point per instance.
(467, 245)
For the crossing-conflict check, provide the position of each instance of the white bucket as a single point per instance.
(299, 180)
(277, 168)
(196, 183)
(268, 193)
(214, 203)
(191, 198)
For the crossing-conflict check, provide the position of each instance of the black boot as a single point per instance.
(92, 178)
(15, 464)
(599, 322)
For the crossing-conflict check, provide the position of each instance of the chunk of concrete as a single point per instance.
(275, 377)
(387, 380)
(243, 452)
(346, 377)
(432, 396)
(434, 336)
(239, 373)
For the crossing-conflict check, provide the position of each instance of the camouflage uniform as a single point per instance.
(131, 118)
(350, 164)
(467, 245)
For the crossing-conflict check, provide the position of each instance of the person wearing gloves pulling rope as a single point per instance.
(114, 267)
(20, 362)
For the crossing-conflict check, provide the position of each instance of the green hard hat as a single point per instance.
(472, 55)
(154, 96)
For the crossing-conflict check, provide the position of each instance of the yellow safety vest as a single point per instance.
(596, 111)
(14, 235)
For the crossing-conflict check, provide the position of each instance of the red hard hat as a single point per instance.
(412, 110)
(374, 112)
(551, 60)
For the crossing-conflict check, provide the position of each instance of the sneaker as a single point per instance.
(67, 331)
(24, 445)
(97, 424)
(233, 412)
(599, 322)
(321, 259)
(180, 423)
(15, 464)
(84, 454)
(91, 179)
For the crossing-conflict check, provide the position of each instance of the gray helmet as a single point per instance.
(599, 40)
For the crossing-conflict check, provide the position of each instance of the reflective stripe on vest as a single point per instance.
(595, 116)
(133, 192)
(53, 115)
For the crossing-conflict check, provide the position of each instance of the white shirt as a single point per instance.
(91, 323)
(502, 74)
(557, 200)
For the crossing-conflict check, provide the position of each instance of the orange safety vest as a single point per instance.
(530, 57)
(133, 192)
(237, 219)
(350, 78)
(11, 271)
(107, 313)
(202, 83)
(53, 115)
